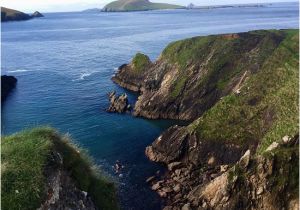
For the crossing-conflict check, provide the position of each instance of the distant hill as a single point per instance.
(137, 5)
(92, 10)
(15, 15)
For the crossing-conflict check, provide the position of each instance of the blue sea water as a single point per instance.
(64, 63)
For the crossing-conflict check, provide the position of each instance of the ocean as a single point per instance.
(64, 63)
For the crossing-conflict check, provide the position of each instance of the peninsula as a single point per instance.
(240, 94)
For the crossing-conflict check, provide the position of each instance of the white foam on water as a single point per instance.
(17, 71)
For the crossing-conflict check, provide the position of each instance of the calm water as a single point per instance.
(64, 63)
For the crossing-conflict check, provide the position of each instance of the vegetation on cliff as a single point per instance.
(241, 93)
(32, 159)
(137, 5)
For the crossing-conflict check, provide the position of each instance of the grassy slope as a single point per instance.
(24, 156)
(137, 5)
(267, 107)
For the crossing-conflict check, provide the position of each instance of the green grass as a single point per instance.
(140, 62)
(24, 156)
(274, 88)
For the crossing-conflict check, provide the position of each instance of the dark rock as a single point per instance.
(8, 83)
(37, 14)
(118, 103)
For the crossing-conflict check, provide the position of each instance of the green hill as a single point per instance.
(137, 5)
(41, 168)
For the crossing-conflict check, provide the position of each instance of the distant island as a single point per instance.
(192, 6)
(15, 15)
(137, 5)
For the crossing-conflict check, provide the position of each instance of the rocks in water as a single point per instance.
(37, 14)
(8, 83)
(118, 103)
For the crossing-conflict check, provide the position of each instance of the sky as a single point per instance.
(78, 5)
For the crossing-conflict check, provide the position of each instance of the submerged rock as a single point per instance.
(118, 103)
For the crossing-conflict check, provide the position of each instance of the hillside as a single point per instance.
(15, 15)
(240, 93)
(41, 168)
(137, 5)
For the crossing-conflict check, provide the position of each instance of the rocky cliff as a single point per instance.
(240, 92)
(8, 83)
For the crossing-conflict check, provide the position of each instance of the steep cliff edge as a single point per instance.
(191, 75)
(41, 169)
(240, 90)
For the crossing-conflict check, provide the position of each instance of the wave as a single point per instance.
(82, 76)
(17, 71)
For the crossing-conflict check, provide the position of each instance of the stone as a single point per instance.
(272, 146)
(211, 160)
(166, 189)
(286, 139)
(177, 188)
(150, 179)
(156, 186)
(118, 103)
(260, 190)
(245, 159)
(162, 194)
(224, 168)
(186, 206)
(173, 165)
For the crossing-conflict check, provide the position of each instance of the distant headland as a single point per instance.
(137, 5)
(15, 15)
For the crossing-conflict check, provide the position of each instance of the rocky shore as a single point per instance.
(240, 91)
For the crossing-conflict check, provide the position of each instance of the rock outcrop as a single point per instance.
(118, 103)
(240, 92)
(37, 14)
(8, 83)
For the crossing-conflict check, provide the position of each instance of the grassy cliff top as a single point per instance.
(265, 108)
(137, 5)
(24, 158)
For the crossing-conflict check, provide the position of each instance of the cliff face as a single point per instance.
(137, 5)
(241, 91)
(8, 83)
(191, 75)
